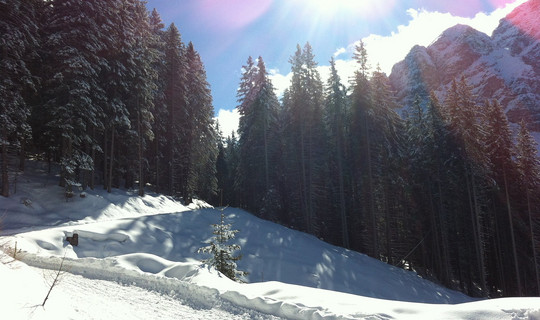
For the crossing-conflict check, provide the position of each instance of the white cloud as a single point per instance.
(280, 81)
(339, 52)
(423, 28)
(228, 121)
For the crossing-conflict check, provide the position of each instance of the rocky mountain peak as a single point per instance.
(505, 66)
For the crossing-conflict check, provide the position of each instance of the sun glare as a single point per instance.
(370, 9)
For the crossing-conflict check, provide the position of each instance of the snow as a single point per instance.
(137, 259)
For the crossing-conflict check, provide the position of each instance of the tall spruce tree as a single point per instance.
(200, 139)
(158, 151)
(336, 116)
(257, 145)
(499, 149)
(362, 191)
(386, 154)
(175, 99)
(304, 139)
(18, 45)
(143, 80)
(74, 94)
(462, 114)
(528, 166)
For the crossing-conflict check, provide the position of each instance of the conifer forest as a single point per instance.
(107, 93)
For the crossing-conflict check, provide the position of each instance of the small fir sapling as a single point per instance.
(223, 258)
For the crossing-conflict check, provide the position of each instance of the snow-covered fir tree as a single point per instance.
(223, 252)
(19, 30)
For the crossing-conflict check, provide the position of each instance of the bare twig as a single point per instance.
(56, 278)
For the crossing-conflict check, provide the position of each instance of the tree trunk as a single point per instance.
(140, 142)
(436, 228)
(93, 171)
(342, 209)
(266, 168)
(304, 192)
(375, 244)
(156, 138)
(105, 160)
(109, 182)
(4, 161)
(475, 220)
(514, 250)
(22, 155)
(535, 262)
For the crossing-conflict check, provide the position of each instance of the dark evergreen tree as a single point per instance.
(362, 191)
(143, 81)
(158, 151)
(18, 46)
(336, 116)
(528, 166)
(462, 114)
(257, 145)
(304, 143)
(175, 99)
(231, 195)
(222, 169)
(74, 94)
(432, 188)
(386, 153)
(499, 150)
(198, 151)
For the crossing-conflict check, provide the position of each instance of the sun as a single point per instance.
(370, 9)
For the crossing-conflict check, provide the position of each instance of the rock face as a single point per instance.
(505, 66)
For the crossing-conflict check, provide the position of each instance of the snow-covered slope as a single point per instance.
(130, 245)
(505, 66)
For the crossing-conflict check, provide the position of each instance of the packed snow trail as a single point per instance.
(78, 297)
(192, 286)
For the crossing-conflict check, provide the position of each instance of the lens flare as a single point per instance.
(365, 9)
(231, 14)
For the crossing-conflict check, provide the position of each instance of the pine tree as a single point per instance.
(143, 79)
(304, 140)
(175, 99)
(387, 148)
(223, 253)
(222, 169)
(74, 95)
(257, 145)
(199, 151)
(499, 150)
(158, 151)
(336, 113)
(528, 167)
(232, 158)
(363, 209)
(462, 114)
(19, 42)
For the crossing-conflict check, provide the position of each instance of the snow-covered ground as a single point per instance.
(137, 259)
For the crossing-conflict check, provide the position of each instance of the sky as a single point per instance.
(227, 32)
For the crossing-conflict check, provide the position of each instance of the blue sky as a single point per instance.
(226, 32)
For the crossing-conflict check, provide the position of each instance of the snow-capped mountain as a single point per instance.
(505, 66)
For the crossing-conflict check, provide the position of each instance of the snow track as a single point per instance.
(180, 289)
(110, 288)
(172, 290)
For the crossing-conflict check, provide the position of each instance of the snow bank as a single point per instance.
(201, 287)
